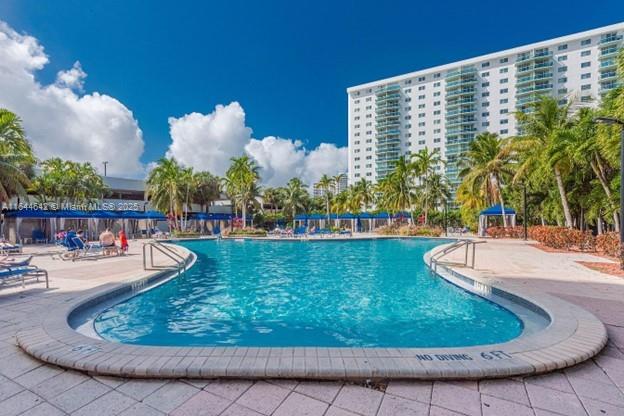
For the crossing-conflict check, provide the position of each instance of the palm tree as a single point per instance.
(164, 187)
(16, 157)
(438, 190)
(337, 179)
(295, 196)
(486, 167)
(425, 162)
(544, 130)
(207, 189)
(241, 183)
(398, 188)
(586, 150)
(363, 190)
(326, 184)
(272, 197)
(187, 177)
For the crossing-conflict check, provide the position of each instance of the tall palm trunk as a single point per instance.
(426, 197)
(244, 211)
(502, 204)
(564, 198)
(599, 171)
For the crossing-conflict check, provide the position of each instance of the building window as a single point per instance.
(586, 42)
(436, 140)
(436, 113)
(562, 69)
(421, 106)
(585, 53)
(421, 133)
(585, 87)
(421, 115)
(436, 121)
(357, 101)
(408, 99)
(503, 70)
(485, 94)
(585, 64)
(485, 114)
(586, 75)
(504, 131)
(562, 91)
(436, 84)
(421, 79)
(562, 47)
(504, 80)
(562, 58)
(436, 131)
(504, 121)
(485, 74)
(485, 124)
(421, 124)
(421, 97)
(503, 60)
(407, 82)
(485, 64)
(562, 80)
(485, 84)
(408, 117)
(435, 76)
(357, 175)
(503, 111)
(485, 104)
(368, 99)
(408, 90)
(421, 142)
(504, 90)
(504, 101)
(436, 94)
(436, 103)
(421, 88)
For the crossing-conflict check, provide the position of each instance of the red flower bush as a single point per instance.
(609, 244)
(563, 238)
(505, 232)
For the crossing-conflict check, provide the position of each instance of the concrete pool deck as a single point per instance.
(595, 384)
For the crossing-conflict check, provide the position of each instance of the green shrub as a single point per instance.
(245, 232)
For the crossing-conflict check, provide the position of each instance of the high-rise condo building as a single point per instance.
(445, 107)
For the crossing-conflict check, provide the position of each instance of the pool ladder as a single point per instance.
(179, 260)
(435, 258)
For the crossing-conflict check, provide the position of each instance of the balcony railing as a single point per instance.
(536, 67)
(388, 89)
(610, 39)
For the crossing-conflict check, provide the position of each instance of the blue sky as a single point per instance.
(287, 63)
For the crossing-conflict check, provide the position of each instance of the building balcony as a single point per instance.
(388, 109)
(611, 39)
(389, 132)
(388, 124)
(466, 109)
(460, 122)
(461, 72)
(387, 98)
(541, 66)
(532, 56)
(538, 88)
(461, 82)
(460, 92)
(609, 52)
(387, 89)
(457, 103)
(608, 64)
(608, 86)
(529, 79)
(608, 75)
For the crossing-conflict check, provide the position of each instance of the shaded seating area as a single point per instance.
(42, 226)
(498, 214)
(360, 222)
(210, 223)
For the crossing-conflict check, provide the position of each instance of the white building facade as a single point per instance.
(445, 107)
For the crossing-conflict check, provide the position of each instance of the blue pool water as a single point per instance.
(366, 293)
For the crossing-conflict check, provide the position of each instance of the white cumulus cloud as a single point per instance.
(208, 141)
(59, 120)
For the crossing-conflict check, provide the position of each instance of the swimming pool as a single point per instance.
(362, 293)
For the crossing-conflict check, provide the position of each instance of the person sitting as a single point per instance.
(81, 235)
(107, 241)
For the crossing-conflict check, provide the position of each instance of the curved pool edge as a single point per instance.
(574, 335)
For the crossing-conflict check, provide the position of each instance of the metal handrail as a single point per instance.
(167, 251)
(434, 259)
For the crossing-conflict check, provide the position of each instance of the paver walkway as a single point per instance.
(595, 387)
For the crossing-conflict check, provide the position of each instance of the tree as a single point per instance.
(241, 183)
(544, 131)
(295, 196)
(425, 162)
(326, 184)
(207, 189)
(164, 187)
(364, 194)
(16, 157)
(398, 189)
(65, 181)
(272, 197)
(486, 167)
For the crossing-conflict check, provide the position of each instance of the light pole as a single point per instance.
(105, 163)
(524, 209)
(611, 121)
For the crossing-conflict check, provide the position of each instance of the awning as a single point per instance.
(496, 210)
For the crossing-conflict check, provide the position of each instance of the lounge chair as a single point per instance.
(15, 262)
(38, 237)
(14, 274)
(300, 231)
(6, 248)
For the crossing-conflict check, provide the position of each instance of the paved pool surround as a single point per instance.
(573, 335)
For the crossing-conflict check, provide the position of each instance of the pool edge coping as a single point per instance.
(574, 335)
